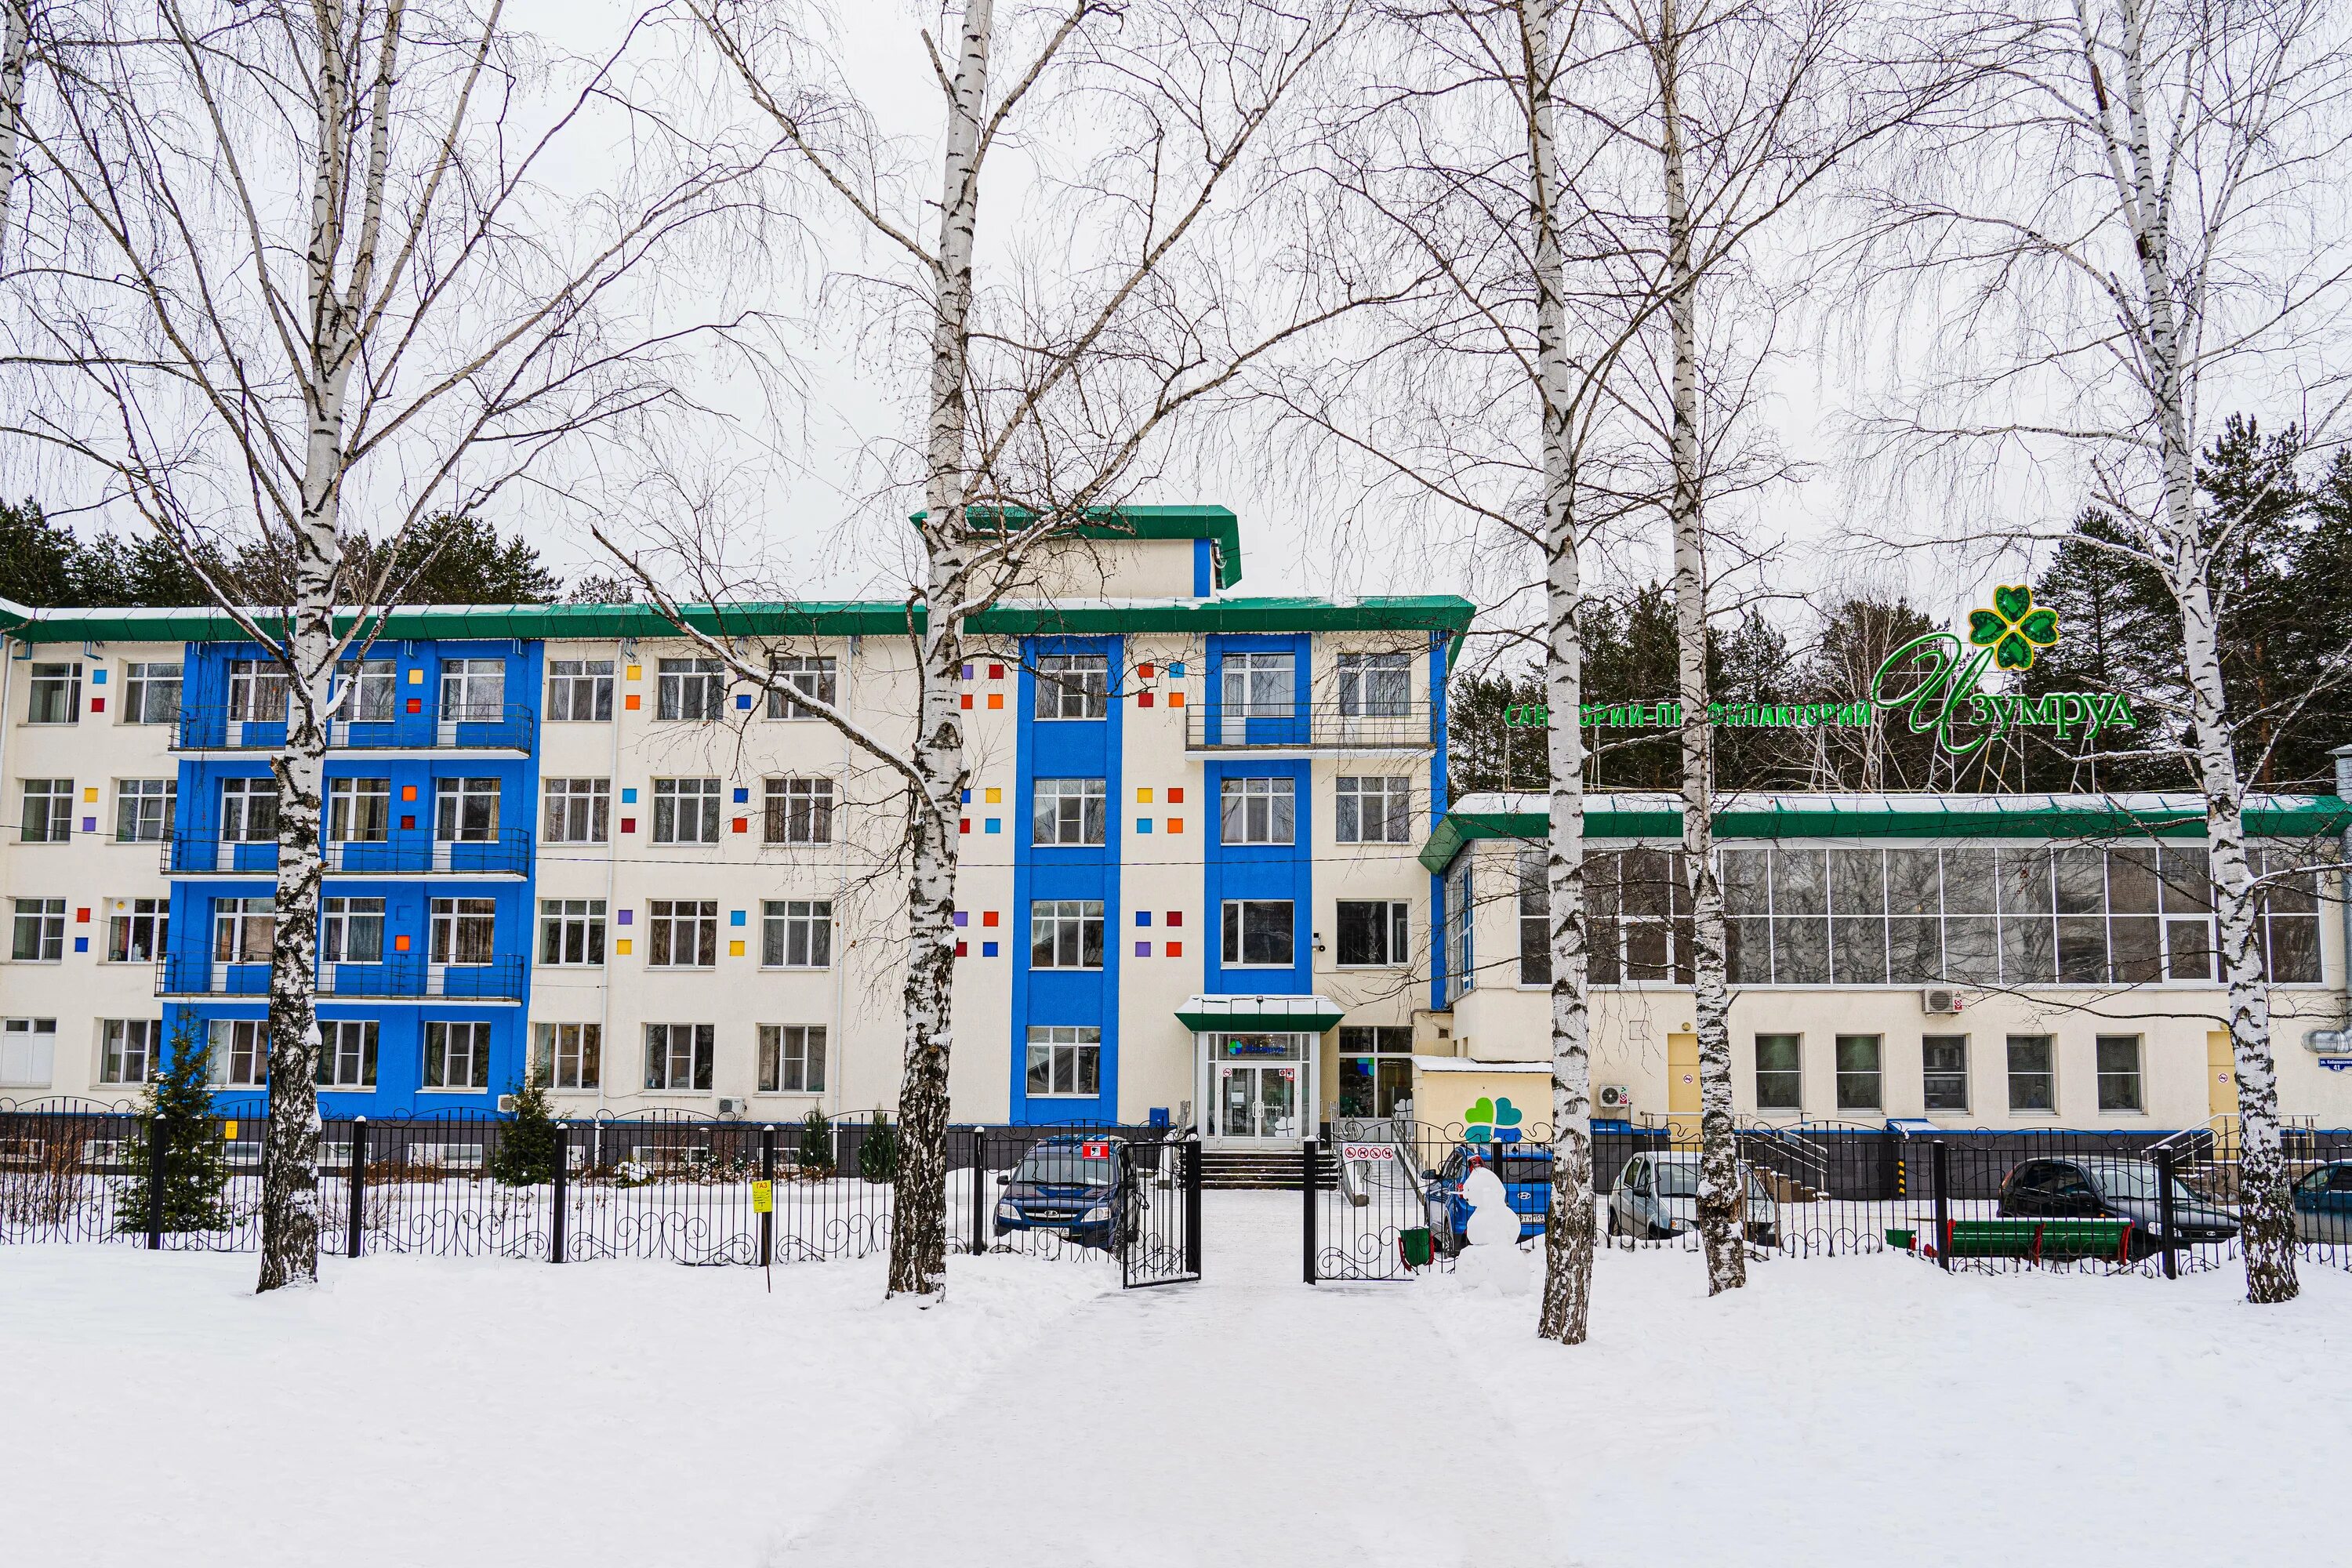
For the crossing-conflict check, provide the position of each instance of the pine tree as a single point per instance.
(195, 1166)
(529, 1148)
(878, 1151)
(816, 1145)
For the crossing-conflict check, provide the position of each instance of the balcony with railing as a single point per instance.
(506, 855)
(1334, 726)
(400, 977)
(477, 727)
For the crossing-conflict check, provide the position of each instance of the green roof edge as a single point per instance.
(1221, 525)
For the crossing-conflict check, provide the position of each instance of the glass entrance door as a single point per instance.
(1257, 1101)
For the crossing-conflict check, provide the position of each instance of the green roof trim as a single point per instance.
(549, 623)
(1218, 524)
(1798, 816)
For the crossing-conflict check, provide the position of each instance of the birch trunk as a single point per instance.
(2266, 1219)
(15, 36)
(1569, 1225)
(1720, 1206)
(918, 1222)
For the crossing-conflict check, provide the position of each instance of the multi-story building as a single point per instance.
(560, 841)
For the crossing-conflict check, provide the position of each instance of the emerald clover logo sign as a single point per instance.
(2014, 628)
(1495, 1121)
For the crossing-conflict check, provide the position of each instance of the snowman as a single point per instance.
(1490, 1258)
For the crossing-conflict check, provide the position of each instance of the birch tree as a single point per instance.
(2137, 226)
(316, 275)
(1044, 403)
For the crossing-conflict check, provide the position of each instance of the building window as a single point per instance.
(57, 694)
(256, 692)
(1944, 1071)
(796, 933)
(2119, 1073)
(1375, 1070)
(800, 811)
(369, 691)
(1375, 685)
(127, 1049)
(1259, 811)
(1073, 686)
(466, 811)
(359, 811)
(1259, 933)
(567, 1056)
(1069, 811)
(240, 1053)
(694, 689)
(792, 1059)
(456, 1056)
(243, 929)
(579, 690)
(1373, 934)
(1638, 907)
(1779, 1075)
(48, 811)
(1064, 1059)
(684, 933)
(579, 811)
(143, 810)
(678, 1056)
(1066, 933)
(2032, 1074)
(2287, 918)
(137, 934)
(1261, 685)
(473, 691)
(1373, 810)
(1857, 1072)
(686, 811)
(150, 693)
(803, 677)
(1461, 946)
(462, 931)
(249, 812)
(40, 930)
(1534, 917)
(572, 930)
(28, 1049)
(350, 930)
(347, 1053)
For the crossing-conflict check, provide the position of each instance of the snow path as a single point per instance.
(1245, 1419)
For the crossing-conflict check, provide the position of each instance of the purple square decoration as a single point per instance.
(627, 916)
(1143, 950)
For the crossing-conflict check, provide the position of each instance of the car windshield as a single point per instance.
(1065, 1166)
(2135, 1179)
(1521, 1169)
(1677, 1179)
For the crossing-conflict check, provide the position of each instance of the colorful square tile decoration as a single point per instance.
(988, 917)
(1176, 794)
(734, 917)
(628, 824)
(1175, 824)
(992, 824)
(98, 704)
(1175, 949)
(1175, 917)
(1143, 917)
(964, 949)
(81, 944)
(994, 796)
(1143, 796)
(1143, 825)
(1143, 700)
(627, 917)
(996, 700)
(963, 919)
(743, 825)
(987, 950)
(1143, 950)
(734, 950)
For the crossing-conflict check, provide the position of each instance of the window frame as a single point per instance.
(1394, 923)
(340, 920)
(550, 1047)
(116, 1049)
(349, 801)
(1083, 1061)
(562, 799)
(1794, 1072)
(438, 1055)
(49, 928)
(1258, 794)
(140, 688)
(123, 925)
(796, 808)
(1349, 798)
(136, 800)
(560, 923)
(364, 1053)
(1242, 697)
(458, 800)
(239, 1042)
(671, 797)
(1058, 923)
(584, 675)
(665, 921)
(1078, 683)
(701, 1046)
(811, 676)
(1851, 1080)
(792, 1059)
(2136, 1076)
(805, 923)
(2048, 1073)
(704, 681)
(258, 691)
(1080, 805)
(59, 678)
(1929, 1074)
(1235, 934)
(472, 690)
(56, 799)
(1356, 701)
(462, 924)
(239, 917)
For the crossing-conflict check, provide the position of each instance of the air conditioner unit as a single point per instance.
(1615, 1096)
(731, 1108)
(1939, 1001)
(505, 1104)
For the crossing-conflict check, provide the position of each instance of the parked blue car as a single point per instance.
(1069, 1184)
(2323, 1204)
(1526, 1183)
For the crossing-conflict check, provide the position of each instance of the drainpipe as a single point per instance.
(611, 872)
(2343, 755)
(835, 1047)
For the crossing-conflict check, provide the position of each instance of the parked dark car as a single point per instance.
(2099, 1187)
(2323, 1204)
(1074, 1185)
(1526, 1175)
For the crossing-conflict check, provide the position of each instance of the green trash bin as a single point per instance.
(1413, 1245)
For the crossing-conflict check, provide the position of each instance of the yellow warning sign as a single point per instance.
(763, 1197)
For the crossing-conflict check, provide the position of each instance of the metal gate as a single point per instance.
(1160, 1242)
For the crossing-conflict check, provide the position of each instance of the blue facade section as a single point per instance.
(1438, 784)
(1205, 568)
(408, 869)
(1055, 749)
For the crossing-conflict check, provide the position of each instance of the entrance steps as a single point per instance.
(1276, 1169)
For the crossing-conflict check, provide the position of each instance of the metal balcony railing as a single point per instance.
(398, 854)
(1211, 725)
(399, 976)
(481, 727)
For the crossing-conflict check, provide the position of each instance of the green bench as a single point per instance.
(2036, 1241)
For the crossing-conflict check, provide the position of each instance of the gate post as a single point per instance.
(1943, 1168)
(555, 1237)
(1190, 1157)
(768, 1174)
(2164, 1212)
(1307, 1189)
(358, 1187)
(980, 1204)
(155, 1184)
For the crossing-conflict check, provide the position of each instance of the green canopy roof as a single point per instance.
(1273, 1014)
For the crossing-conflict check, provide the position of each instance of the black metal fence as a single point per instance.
(1387, 1206)
(666, 1185)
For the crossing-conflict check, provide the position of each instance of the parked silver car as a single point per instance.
(1656, 1196)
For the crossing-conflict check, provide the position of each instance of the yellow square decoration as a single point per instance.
(734, 950)
(415, 678)
(89, 794)
(622, 947)
(636, 671)
(1144, 797)
(996, 796)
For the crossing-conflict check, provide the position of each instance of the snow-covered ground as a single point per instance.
(429, 1410)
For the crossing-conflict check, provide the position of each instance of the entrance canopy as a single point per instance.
(1304, 1015)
